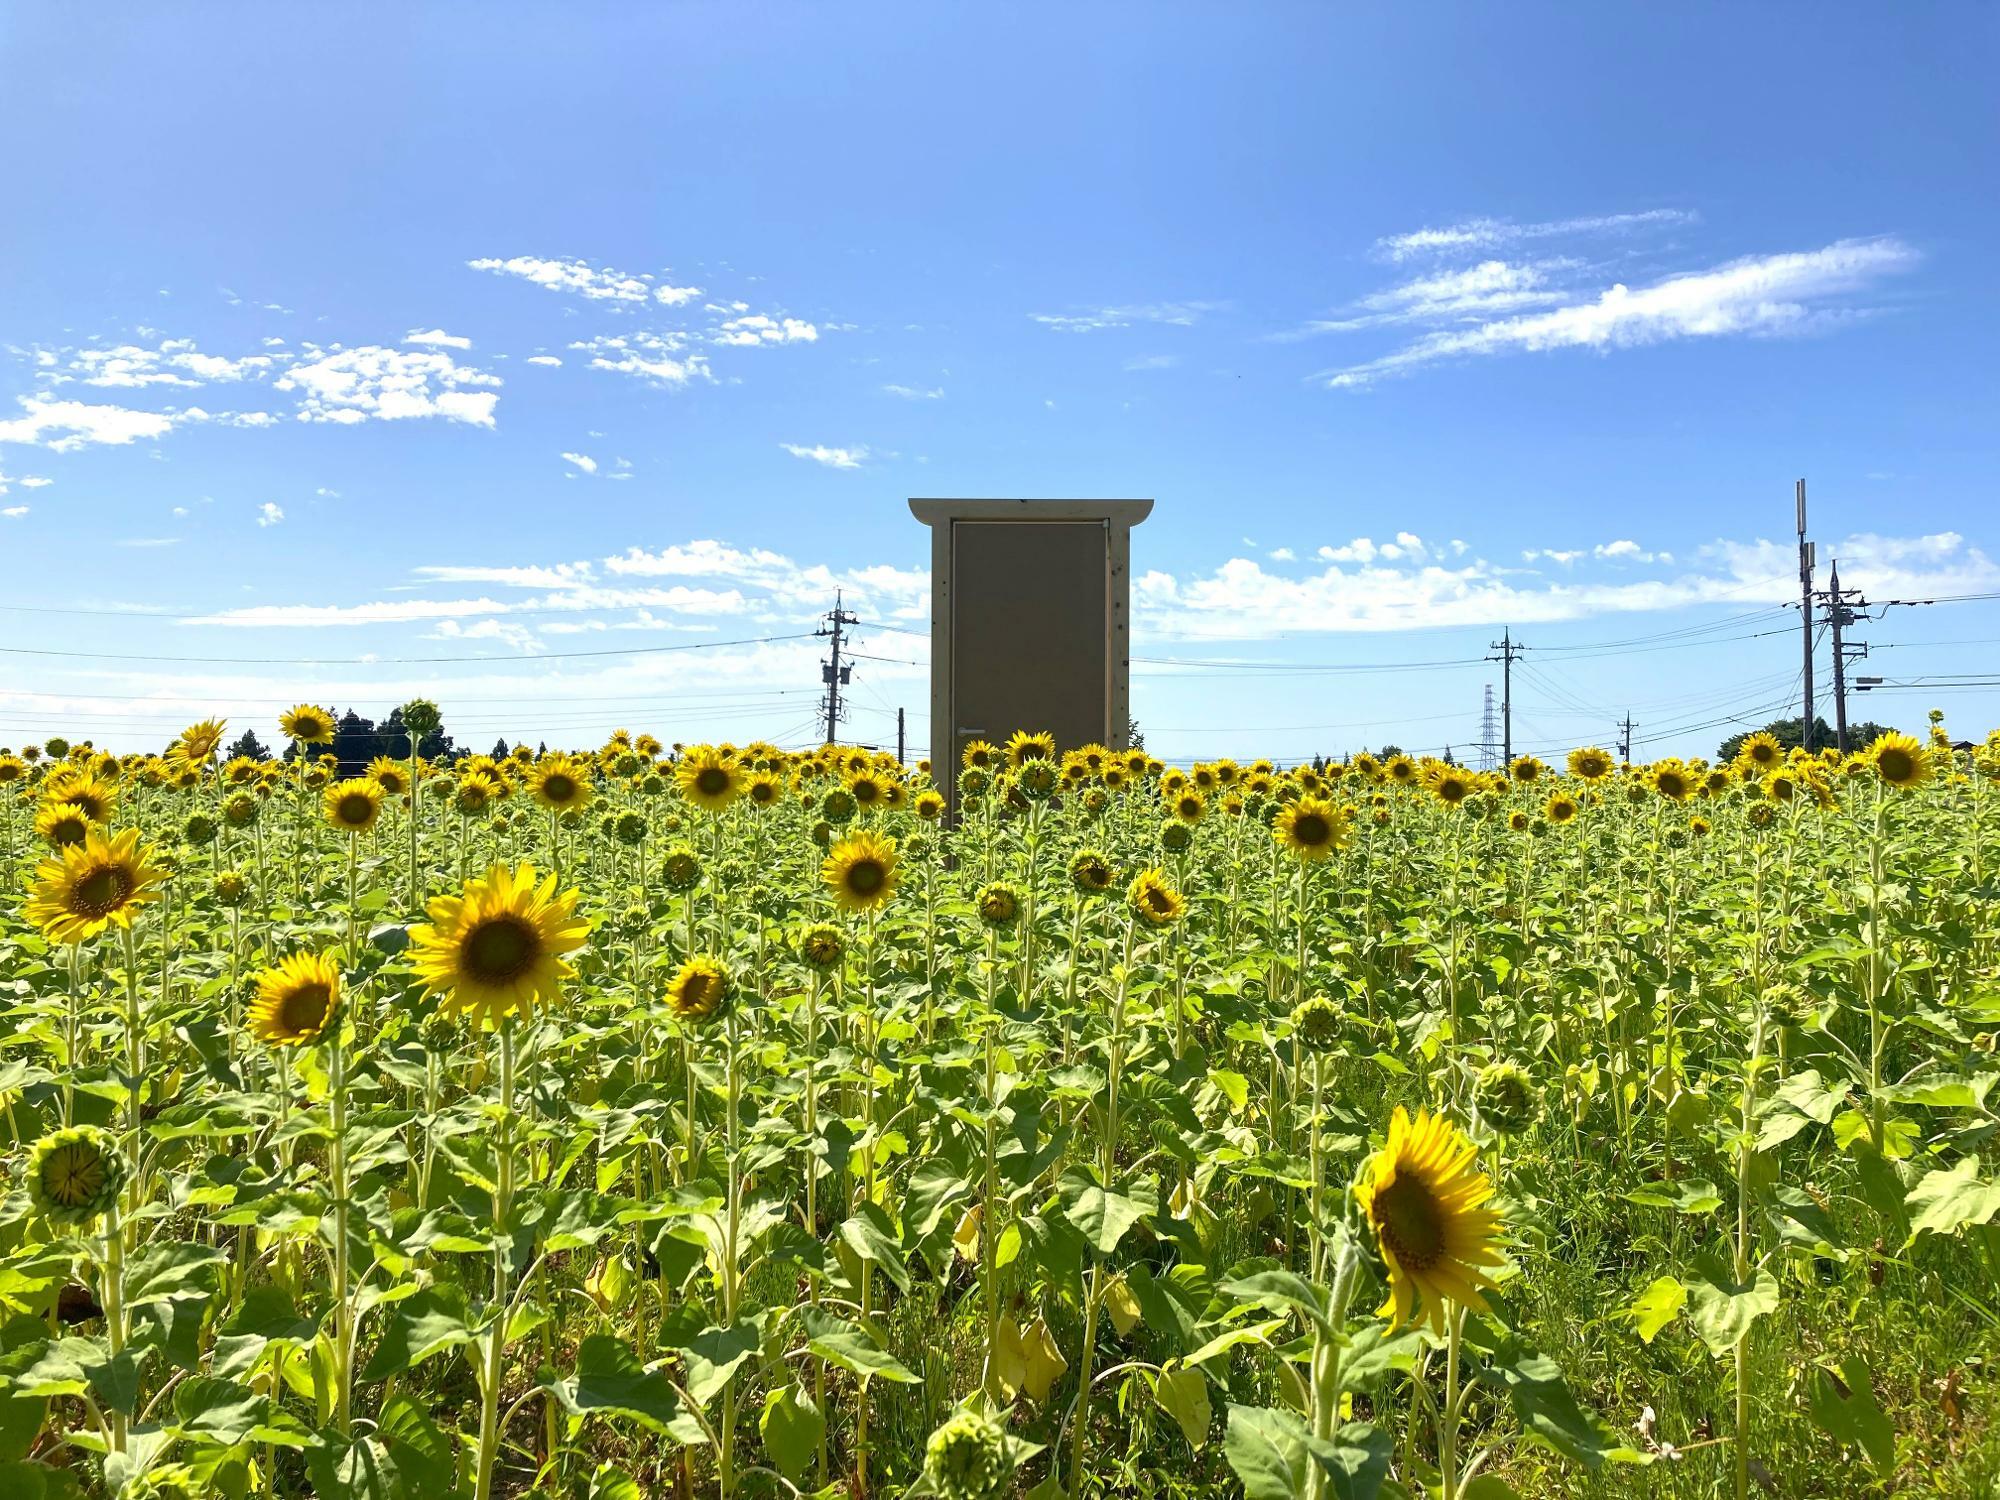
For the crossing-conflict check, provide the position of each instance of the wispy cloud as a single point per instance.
(655, 358)
(1760, 295)
(915, 393)
(1485, 289)
(582, 461)
(755, 330)
(25, 481)
(1177, 314)
(354, 385)
(1487, 234)
(545, 359)
(14, 512)
(1410, 584)
(436, 338)
(1153, 362)
(832, 458)
(65, 426)
(598, 283)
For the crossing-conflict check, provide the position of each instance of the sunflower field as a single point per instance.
(727, 1120)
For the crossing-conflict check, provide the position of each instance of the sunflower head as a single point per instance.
(1672, 779)
(681, 868)
(999, 905)
(561, 783)
(839, 806)
(1424, 1198)
(1038, 779)
(967, 1458)
(860, 871)
(700, 991)
(1311, 828)
(352, 806)
(822, 946)
(1188, 805)
(1560, 808)
(498, 949)
(1176, 837)
(75, 1175)
(929, 804)
(1589, 763)
(474, 792)
(87, 887)
(1023, 747)
(1091, 873)
(764, 789)
(1450, 784)
(87, 790)
(297, 1001)
(1506, 1097)
(307, 725)
(1154, 900)
(232, 888)
(1317, 1023)
(62, 824)
(978, 754)
(198, 743)
(1900, 760)
(709, 777)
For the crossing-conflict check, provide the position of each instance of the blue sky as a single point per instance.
(352, 353)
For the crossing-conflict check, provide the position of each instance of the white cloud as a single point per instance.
(599, 284)
(556, 576)
(520, 637)
(270, 513)
(1283, 554)
(915, 393)
(582, 461)
(1153, 362)
(382, 612)
(756, 330)
(25, 481)
(1482, 234)
(326, 494)
(174, 362)
(833, 458)
(652, 357)
(1490, 287)
(1365, 589)
(65, 426)
(436, 338)
(1762, 295)
(1178, 314)
(14, 512)
(353, 385)
(544, 359)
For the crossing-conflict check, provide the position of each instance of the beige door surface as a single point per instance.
(1030, 601)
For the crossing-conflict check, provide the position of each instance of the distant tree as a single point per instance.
(248, 746)
(500, 748)
(1447, 756)
(1388, 752)
(355, 743)
(1135, 737)
(542, 747)
(1787, 733)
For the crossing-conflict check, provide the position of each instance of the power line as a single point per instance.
(397, 661)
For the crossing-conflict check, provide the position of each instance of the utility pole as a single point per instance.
(1806, 610)
(1625, 740)
(1508, 648)
(832, 672)
(1840, 612)
(899, 737)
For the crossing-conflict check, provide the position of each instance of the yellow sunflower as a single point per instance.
(700, 990)
(860, 870)
(1023, 747)
(1312, 828)
(297, 1000)
(390, 774)
(1900, 760)
(1762, 750)
(1591, 764)
(87, 887)
(91, 793)
(709, 777)
(560, 783)
(198, 743)
(1450, 784)
(61, 824)
(497, 949)
(764, 789)
(1672, 779)
(1526, 769)
(306, 725)
(1424, 1196)
(1560, 808)
(1154, 900)
(929, 805)
(352, 806)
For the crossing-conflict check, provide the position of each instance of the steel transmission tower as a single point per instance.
(1489, 733)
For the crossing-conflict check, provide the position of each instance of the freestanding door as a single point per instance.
(1028, 622)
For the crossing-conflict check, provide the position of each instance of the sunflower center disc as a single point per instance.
(1310, 829)
(102, 891)
(501, 949)
(561, 788)
(865, 878)
(304, 1009)
(1411, 1223)
(354, 809)
(712, 782)
(1896, 766)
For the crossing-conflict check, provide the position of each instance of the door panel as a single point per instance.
(1028, 630)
